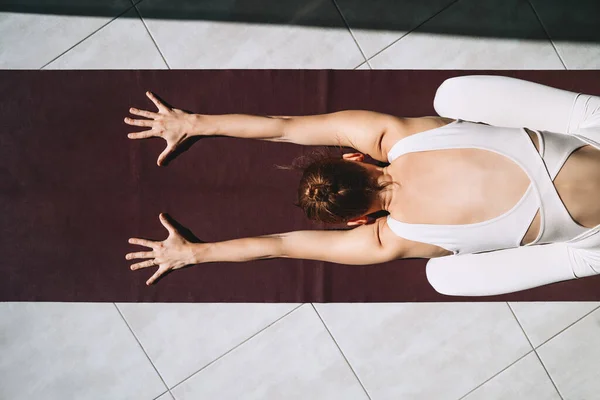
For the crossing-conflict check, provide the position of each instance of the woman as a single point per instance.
(452, 188)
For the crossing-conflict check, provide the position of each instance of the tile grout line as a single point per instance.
(339, 10)
(535, 351)
(162, 394)
(549, 376)
(547, 34)
(341, 352)
(520, 326)
(496, 374)
(143, 349)
(412, 30)
(565, 328)
(85, 38)
(150, 34)
(136, 2)
(236, 346)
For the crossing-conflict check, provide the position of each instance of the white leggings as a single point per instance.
(510, 102)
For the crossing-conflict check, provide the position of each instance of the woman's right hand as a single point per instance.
(171, 124)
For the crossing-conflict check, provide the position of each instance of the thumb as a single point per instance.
(163, 156)
(167, 224)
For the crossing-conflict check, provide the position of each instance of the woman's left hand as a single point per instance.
(172, 253)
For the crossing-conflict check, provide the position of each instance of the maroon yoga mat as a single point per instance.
(73, 188)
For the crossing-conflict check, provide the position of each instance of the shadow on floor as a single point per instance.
(564, 20)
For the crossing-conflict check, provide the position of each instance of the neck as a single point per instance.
(384, 198)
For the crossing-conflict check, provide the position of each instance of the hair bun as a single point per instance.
(318, 192)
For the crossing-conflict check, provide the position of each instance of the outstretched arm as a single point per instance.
(367, 244)
(361, 130)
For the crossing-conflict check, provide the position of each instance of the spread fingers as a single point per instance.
(143, 264)
(138, 122)
(140, 254)
(143, 113)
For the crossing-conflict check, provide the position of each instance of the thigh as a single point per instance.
(504, 101)
(501, 271)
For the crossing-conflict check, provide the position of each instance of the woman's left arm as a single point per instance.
(366, 244)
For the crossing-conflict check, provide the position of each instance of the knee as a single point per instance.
(458, 97)
(445, 97)
(440, 278)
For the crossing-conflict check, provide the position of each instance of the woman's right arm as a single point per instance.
(358, 129)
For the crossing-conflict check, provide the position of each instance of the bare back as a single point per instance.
(465, 186)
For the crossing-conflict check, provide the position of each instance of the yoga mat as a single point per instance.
(73, 188)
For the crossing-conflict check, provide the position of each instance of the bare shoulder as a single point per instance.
(400, 247)
(398, 128)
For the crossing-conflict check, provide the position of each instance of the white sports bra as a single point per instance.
(508, 229)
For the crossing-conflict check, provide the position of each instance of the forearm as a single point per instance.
(239, 125)
(238, 250)
(356, 246)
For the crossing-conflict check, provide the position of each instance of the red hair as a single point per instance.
(334, 190)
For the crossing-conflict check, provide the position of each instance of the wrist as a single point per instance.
(201, 125)
(198, 253)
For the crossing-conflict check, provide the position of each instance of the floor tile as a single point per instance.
(481, 50)
(579, 55)
(542, 320)
(526, 379)
(86, 351)
(397, 349)
(377, 24)
(295, 358)
(573, 27)
(32, 40)
(71, 351)
(166, 396)
(572, 359)
(180, 339)
(122, 44)
(303, 35)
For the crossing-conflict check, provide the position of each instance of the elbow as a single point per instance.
(285, 126)
(276, 247)
(440, 278)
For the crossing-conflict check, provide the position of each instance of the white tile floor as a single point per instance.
(283, 351)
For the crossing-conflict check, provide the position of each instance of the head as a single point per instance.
(340, 189)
